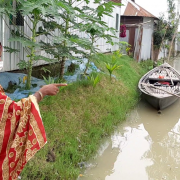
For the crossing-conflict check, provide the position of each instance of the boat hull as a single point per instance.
(159, 103)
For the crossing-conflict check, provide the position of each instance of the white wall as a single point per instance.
(111, 22)
(148, 29)
(124, 39)
(163, 53)
(10, 60)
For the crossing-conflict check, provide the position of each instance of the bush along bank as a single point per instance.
(81, 115)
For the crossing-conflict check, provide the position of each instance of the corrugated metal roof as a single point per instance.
(133, 9)
(116, 1)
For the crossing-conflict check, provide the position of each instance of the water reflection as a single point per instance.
(145, 147)
(163, 131)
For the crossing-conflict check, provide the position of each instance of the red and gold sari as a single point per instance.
(22, 134)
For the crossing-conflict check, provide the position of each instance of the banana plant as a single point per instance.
(111, 67)
(49, 80)
(94, 79)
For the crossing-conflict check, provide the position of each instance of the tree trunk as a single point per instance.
(164, 54)
(156, 59)
(30, 63)
(152, 48)
(62, 62)
(175, 33)
(87, 65)
(171, 44)
(156, 54)
(29, 72)
(153, 57)
(62, 65)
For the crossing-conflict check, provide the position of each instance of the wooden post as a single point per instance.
(152, 48)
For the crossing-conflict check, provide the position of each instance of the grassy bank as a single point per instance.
(79, 117)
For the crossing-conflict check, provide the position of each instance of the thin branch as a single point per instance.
(27, 23)
(79, 3)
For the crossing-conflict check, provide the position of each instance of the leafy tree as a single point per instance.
(161, 35)
(57, 20)
(166, 29)
(75, 18)
(65, 44)
(96, 28)
(173, 17)
(33, 10)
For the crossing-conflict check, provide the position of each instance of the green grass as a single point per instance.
(80, 116)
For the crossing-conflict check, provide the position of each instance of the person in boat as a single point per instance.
(22, 132)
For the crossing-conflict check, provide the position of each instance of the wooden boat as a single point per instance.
(160, 87)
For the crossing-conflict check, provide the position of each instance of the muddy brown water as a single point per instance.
(144, 147)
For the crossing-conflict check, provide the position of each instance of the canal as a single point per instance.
(144, 147)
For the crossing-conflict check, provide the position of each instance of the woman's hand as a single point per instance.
(50, 89)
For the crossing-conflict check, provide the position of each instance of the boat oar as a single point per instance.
(150, 85)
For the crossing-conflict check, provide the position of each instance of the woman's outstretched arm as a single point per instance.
(50, 89)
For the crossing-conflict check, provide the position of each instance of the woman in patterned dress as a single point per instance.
(22, 132)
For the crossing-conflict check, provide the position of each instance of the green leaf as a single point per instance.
(34, 6)
(23, 64)
(25, 42)
(10, 50)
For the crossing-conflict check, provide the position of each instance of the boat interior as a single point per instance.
(162, 83)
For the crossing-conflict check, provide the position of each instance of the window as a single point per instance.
(117, 21)
(17, 20)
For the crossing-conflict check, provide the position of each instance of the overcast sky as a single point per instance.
(155, 7)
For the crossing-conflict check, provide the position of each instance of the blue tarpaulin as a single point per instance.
(7, 78)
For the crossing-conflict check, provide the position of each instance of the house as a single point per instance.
(10, 61)
(139, 30)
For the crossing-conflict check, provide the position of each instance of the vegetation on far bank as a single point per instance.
(80, 116)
